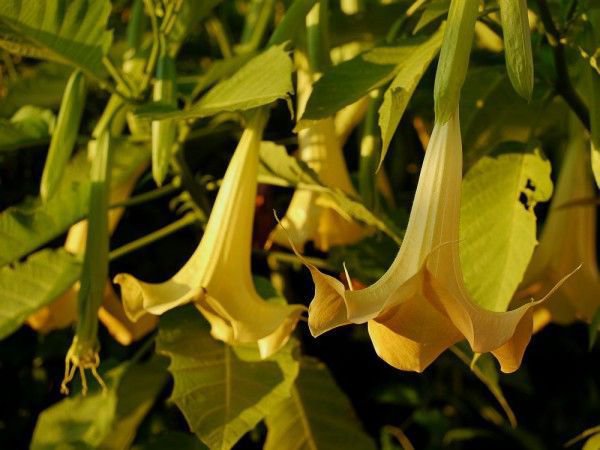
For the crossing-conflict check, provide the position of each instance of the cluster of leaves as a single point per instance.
(182, 388)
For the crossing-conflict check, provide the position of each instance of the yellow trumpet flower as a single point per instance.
(62, 312)
(569, 239)
(420, 306)
(217, 277)
(307, 217)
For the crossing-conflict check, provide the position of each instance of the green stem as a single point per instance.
(256, 25)
(153, 58)
(119, 79)
(215, 29)
(370, 150)
(146, 196)
(317, 37)
(152, 237)
(10, 66)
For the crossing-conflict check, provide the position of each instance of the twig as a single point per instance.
(563, 84)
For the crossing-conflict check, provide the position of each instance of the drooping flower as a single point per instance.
(308, 218)
(217, 277)
(420, 306)
(568, 239)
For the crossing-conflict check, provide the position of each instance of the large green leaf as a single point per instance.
(28, 126)
(223, 391)
(103, 420)
(68, 31)
(351, 80)
(27, 286)
(498, 224)
(398, 94)
(42, 86)
(317, 416)
(262, 80)
(25, 227)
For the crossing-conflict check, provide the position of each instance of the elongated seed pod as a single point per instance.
(454, 57)
(163, 131)
(65, 134)
(517, 45)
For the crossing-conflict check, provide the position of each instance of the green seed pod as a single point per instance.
(83, 353)
(163, 131)
(136, 26)
(454, 57)
(65, 134)
(517, 44)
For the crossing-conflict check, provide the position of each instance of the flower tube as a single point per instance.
(217, 277)
(420, 306)
(307, 217)
(569, 239)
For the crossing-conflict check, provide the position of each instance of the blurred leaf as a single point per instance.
(280, 169)
(465, 434)
(593, 329)
(492, 112)
(262, 80)
(42, 86)
(25, 227)
(434, 10)
(223, 391)
(71, 32)
(498, 224)
(398, 94)
(27, 286)
(28, 126)
(351, 80)
(102, 420)
(316, 416)
(399, 435)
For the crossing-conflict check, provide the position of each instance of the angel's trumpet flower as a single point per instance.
(569, 239)
(420, 306)
(62, 312)
(308, 218)
(217, 277)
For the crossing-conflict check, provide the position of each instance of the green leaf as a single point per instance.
(280, 169)
(316, 416)
(102, 420)
(41, 86)
(351, 80)
(25, 227)
(223, 391)
(398, 94)
(27, 286)
(262, 80)
(498, 225)
(71, 32)
(28, 126)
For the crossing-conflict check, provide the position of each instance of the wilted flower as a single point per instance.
(308, 217)
(217, 277)
(420, 306)
(569, 239)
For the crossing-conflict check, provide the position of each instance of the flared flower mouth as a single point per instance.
(217, 277)
(420, 306)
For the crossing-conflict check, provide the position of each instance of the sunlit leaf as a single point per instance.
(223, 391)
(71, 32)
(499, 194)
(28, 126)
(29, 285)
(316, 416)
(102, 420)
